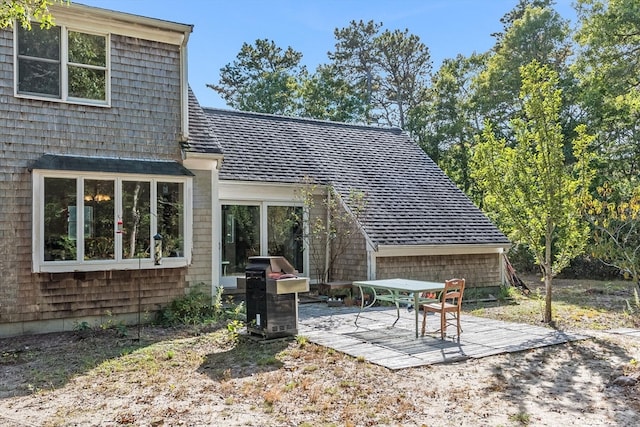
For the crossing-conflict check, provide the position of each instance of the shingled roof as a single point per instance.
(201, 140)
(410, 201)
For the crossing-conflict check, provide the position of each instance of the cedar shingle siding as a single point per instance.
(200, 270)
(478, 270)
(143, 122)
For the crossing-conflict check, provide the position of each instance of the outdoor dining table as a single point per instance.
(398, 291)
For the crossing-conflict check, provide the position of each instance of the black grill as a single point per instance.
(271, 296)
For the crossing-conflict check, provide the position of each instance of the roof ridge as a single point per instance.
(214, 110)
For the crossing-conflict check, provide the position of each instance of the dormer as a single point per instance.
(72, 61)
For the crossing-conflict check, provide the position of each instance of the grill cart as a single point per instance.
(272, 287)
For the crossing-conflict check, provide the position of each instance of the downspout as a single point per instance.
(327, 245)
(503, 280)
(216, 231)
(184, 88)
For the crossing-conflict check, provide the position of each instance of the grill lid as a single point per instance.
(275, 266)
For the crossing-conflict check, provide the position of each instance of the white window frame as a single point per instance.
(39, 265)
(64, 69)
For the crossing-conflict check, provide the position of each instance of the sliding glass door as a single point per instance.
(259, 229)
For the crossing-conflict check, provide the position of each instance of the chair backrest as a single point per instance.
(453, 291)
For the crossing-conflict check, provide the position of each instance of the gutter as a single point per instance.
(450, 249)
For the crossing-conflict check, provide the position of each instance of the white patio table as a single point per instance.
(398, 291)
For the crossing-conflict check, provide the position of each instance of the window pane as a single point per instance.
(87, 49)
(39, 43)
(59, 231)
(98, 222)
(284, 233)
(38, 77)
(136, 205)
(87, 83)
(241, 237)
(171, 218)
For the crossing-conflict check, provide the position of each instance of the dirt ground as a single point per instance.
(211, 376)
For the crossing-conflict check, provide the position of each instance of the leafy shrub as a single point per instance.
(193, 308)
(198, 307)
(582, 267)
(586, 267)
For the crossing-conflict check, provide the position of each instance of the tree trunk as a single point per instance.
(136, 222)
(548, 271)
(547, 298)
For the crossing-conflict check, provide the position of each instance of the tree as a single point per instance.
(333, 221)
(615, 216)
(531, 33)
(263, 79)
(388, 70)
(528, 187)
(516, 13)
(405, 65)
(608, 68)
(354, 59)
(25, 11)
(326, 95)
(445, 122)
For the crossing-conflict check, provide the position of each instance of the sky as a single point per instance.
(446, 27)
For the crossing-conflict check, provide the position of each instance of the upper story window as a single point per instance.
(61, 63)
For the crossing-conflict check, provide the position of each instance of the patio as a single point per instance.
(397, 348)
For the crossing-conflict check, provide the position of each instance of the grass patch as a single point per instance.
(576, 304)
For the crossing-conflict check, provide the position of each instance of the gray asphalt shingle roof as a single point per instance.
(200, 140)
(410, 201)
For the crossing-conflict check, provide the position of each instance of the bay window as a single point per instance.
(94, 221)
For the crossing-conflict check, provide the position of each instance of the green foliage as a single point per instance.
(327, 95)
(373, 77)
(26, 11)
(521, 418)
(405, 66)
(198, 307)
(533, 32)
(387, 70)
(528, 188)
(607, 70)
(615, 217)
(586, 266)
(302, 341)
(120, 327)
(522, 258)
(445, 122)
(83, 329)
(193, 308)
(263, 78)
(234, 327)
(633, 307)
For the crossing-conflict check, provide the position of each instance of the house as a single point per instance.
(119, 192)
(94, 116)
(413, 223)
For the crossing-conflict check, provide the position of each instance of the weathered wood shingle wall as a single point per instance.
(143, 122)
(199, 272)
(478, 270)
